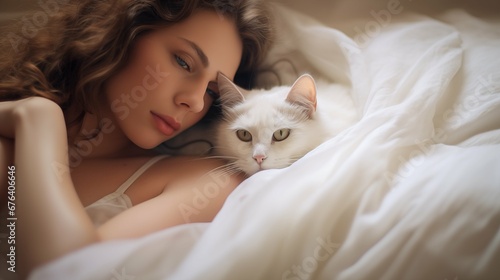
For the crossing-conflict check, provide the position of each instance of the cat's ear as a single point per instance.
(303, 93)
(230, 94)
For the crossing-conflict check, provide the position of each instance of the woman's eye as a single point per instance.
(281, 134)
(182, 63)
(244, 135)
(213, 94)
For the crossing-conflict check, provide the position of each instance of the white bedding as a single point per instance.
(411, 191)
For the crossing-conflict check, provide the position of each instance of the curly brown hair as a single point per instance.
(69, 59)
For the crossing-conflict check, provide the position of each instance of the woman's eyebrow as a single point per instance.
(199, 51)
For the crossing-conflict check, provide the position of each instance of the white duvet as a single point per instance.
(411, 191)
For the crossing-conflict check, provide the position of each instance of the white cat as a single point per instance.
(268, 129)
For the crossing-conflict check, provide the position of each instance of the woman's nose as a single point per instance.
(192, 97)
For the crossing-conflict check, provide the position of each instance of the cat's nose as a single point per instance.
(259, 158)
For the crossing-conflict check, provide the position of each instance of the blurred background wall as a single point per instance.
(14, 9)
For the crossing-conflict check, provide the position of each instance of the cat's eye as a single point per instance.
(244, 135)
(281, 134)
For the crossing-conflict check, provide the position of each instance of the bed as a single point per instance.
(410, 191)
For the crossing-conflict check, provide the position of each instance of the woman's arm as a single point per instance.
(50, 218)
(6, 159)
(195, 194)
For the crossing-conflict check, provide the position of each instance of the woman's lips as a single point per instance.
(165, 124)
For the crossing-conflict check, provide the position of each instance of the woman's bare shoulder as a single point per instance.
(190, 190)
(171, 172)
(190, 168)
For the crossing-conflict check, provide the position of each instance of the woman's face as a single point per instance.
(169, 82)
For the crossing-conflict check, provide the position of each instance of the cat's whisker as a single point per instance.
(221, 157)
(232, 171)
(229, 158)
(228, 169)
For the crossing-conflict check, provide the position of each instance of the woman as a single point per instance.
(105, 82)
